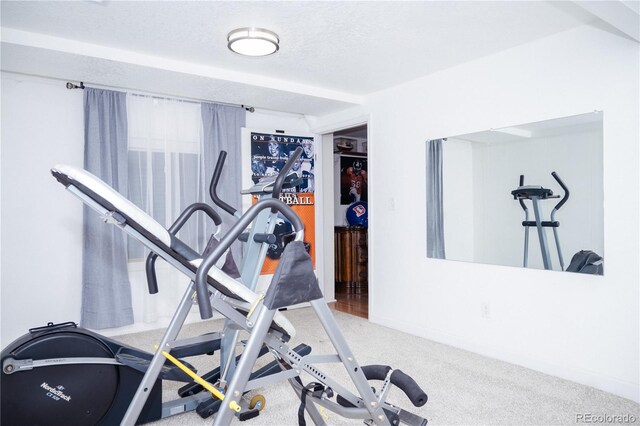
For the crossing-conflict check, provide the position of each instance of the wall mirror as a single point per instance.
(480, 209)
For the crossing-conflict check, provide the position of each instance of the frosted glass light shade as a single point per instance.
(253, 41)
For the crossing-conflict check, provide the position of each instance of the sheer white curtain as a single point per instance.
(165, 175)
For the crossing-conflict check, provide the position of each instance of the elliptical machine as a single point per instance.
(62, 374)
(537, 193)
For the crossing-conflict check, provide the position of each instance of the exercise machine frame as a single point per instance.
(294, 282)
(537, 193)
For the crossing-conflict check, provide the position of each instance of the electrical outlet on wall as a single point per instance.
(485, 310)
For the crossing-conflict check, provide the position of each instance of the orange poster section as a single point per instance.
(303, 205)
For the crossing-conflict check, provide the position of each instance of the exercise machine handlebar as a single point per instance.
(217, 172)
(564, 188)
(259, 238)
(523, 192)
(152, 281)
(404, 382)
(210, 260)
(522, 204)
(277, 186)
(416, 395)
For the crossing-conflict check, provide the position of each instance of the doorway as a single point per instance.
(350, 167)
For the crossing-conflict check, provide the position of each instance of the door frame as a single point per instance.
(325, 214)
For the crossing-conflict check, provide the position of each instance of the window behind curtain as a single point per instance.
(165, 163)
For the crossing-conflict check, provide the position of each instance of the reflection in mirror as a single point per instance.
(529, 195)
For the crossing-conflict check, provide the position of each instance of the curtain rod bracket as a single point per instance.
(70, 85)
(248, 108)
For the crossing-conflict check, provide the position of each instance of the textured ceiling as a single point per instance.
(332, 53)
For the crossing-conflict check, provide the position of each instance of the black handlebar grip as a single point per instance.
(189, 211)
(150, 268)
(522, 204)
(265, 238)
(375, 372)
(277, 186)
(217, 172)
(564, 188)
(417, 396)
(150, 264)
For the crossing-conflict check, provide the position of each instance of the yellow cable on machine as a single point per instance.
(233, 405)
(323, 413)
(255, 305)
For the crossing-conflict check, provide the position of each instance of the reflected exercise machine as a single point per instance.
(536, 194)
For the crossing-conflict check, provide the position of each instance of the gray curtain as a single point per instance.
(106, 291)
(435, 220)
(222, 132)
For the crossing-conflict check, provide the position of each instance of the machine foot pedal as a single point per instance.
(193, 349)
(208, 408)
(393, 418)
(248, 414)
(411, 419)
(344, 402)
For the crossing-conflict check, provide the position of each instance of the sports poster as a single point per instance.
(269, 154)
(353, 179)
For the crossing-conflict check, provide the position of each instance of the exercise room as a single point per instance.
(314, 212)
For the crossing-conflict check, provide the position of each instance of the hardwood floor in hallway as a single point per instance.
(352, 300)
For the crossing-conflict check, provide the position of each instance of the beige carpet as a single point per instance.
(463, 388)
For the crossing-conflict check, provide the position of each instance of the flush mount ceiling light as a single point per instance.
(253, 41)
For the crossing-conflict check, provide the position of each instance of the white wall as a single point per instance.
(41, 226)
(42, 125)
(583, 328)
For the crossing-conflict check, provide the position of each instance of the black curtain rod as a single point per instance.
(71, 86)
